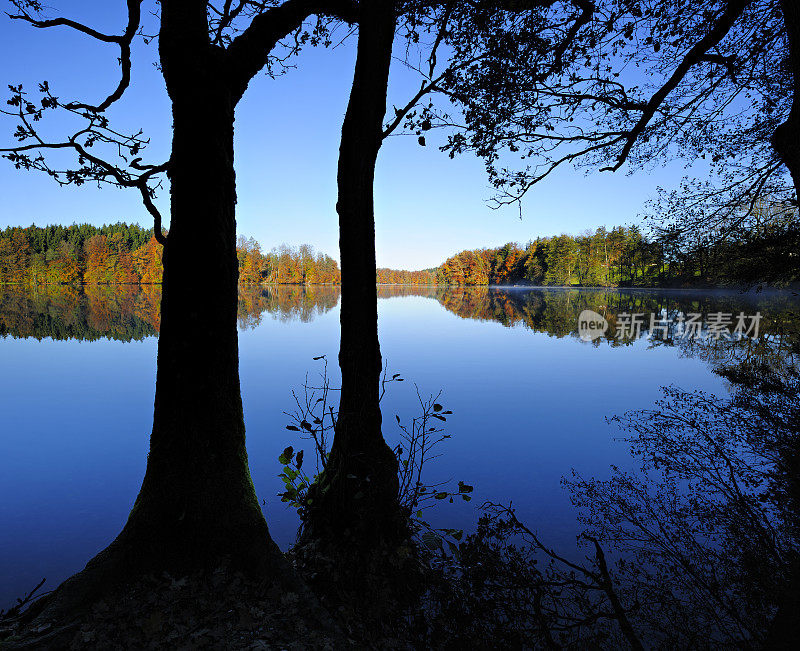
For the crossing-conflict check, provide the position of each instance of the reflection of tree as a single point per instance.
(131, 312)
(699, 545)
(706, 530)
(123, 313)
(285, 303)
(395, 291)
(777, 347)
(555, 312)
(696, 547)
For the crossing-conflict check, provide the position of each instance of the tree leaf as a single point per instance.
(431, 540)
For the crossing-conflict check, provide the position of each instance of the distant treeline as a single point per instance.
(620, 257)
(78, 254)
(401, 277)
(129, 254)
(285, 265)
(605, 258)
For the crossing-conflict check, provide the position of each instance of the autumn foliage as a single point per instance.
(606, 258)
(402, 277)
(285, 265)
(79, 254)
(122, 254)
(619, 257)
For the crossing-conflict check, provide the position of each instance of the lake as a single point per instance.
(530, 397)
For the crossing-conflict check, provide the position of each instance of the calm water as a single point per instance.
(530, 398)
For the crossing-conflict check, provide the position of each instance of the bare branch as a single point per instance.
(123, 41)
(695, 55)
(90, 166)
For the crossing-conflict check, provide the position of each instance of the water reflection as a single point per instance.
(697, 545)
(555, 312)
(122, 312)
(132, 312)
(545, 407)
(285, 303)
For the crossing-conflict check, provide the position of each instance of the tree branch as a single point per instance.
(249, 52)
(123, 41)
(695, 55)
(97, 169)
(608, 587)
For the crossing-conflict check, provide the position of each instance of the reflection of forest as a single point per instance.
(556, 312)
(122, 312)
(131, 312)
(285, 302)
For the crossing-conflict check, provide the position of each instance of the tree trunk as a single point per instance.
(197, 503)
(786, 139)
(197, 508)
(357, 497)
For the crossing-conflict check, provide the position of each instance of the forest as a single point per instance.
(124, 253)
(121, 253)
(619, 257)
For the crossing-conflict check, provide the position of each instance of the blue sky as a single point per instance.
(287, 135)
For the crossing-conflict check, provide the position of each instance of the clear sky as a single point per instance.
(287, 135)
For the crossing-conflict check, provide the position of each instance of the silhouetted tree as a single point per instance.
(197, 505)
(358, 490)
(355, 502)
